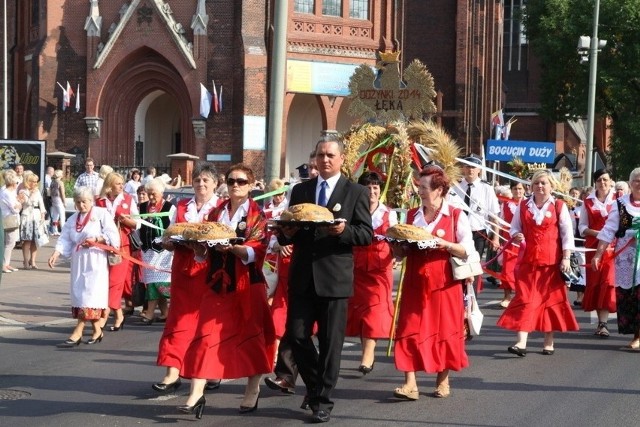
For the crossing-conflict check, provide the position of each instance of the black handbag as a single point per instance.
(135, 244)
(138, 294)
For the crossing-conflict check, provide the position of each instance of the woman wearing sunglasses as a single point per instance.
(235, 336)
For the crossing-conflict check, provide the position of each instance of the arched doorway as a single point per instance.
(344, 120)
(157, 129)
(304, 128)
(144, 104)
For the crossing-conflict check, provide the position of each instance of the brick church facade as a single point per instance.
(139, 65)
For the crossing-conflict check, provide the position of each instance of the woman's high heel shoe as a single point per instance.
(117, 328)
(247, 409)
(96, 340)
(69, 343)
(198, 408)
(366, 369)
(165, 388)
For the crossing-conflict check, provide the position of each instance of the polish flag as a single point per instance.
(216, 105)
(65, 97)
(70, 93)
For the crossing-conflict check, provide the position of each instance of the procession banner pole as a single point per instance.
(396, 310)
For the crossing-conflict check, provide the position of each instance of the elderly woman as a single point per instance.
(89, 267)
(370, 311)
(161, 214)
(235, 336)
(10, 207)
(600, 294)
(31, 219)
(121, 207)
(188, 281)
(621, 188)
(430, 332)
(545, 226)
(618, 230)
(58, 196)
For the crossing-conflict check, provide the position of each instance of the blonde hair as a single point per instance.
(548, 174)
(275, 184)
(58, 174)
(104, 171)
(108, 183)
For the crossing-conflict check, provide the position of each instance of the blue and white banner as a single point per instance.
(528, 151)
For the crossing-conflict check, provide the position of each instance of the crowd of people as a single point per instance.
(224, 320)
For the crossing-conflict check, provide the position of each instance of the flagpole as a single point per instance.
(5, 89)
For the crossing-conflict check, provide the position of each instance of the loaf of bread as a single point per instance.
(408, 232)
(201, 231)
(307, 212)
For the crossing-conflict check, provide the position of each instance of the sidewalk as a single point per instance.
(32, 298)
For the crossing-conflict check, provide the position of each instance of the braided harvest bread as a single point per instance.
(408, 232)
(307, 212)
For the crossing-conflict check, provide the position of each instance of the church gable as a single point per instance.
(146, 17)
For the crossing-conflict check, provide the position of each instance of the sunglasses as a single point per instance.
(239, 181)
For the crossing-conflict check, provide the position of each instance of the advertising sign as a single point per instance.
(528, 151)
(31, 154)
(324, 78)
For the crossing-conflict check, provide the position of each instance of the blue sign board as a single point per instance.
(528, 151)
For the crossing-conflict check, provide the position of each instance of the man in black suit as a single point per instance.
(321, 273)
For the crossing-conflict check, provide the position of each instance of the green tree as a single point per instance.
(553, 28)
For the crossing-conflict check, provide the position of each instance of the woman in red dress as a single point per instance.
(600, 292)
(188, 281)
(430, 332)
(370, 311)
(121, 206)
(235, 336)
(541, 302)
(510, 254)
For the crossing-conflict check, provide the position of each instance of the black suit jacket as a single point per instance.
(323, 261)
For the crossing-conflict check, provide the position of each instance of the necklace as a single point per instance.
(80, 225)
(633, 201)
(435, 215)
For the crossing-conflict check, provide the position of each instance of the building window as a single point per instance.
(332, 7)
(303, 6)
(359, 9)
(35, 12)
(515, 38)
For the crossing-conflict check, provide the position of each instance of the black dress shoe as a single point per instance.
(166, 388)
(547, 352)
(70, 343)
(366, 369)
(212, 385)
(247, 409)
(305, 403)
(280, 384)
(320, 416)
(514, 349)
(197, 409)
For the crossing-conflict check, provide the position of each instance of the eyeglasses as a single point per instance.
(239, 181)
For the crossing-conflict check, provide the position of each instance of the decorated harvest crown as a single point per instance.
(390, 56)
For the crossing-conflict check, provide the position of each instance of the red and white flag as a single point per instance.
(220, 100)
(65, 97)
(205, 101)
(78, 99)
(216, 105)
(69, 95)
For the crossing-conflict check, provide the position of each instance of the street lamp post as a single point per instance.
(5, 97)
(594, 46)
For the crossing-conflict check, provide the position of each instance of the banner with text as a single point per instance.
(528, 151)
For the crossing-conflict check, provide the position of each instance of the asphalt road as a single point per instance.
(589, 381)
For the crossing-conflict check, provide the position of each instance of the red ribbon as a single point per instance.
(126, 256)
